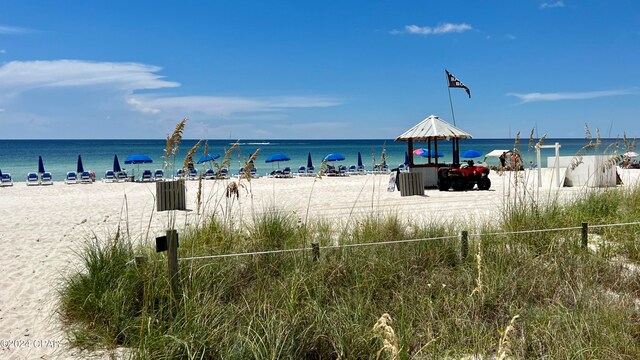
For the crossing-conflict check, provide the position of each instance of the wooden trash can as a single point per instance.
(170, 195)
(411, 184)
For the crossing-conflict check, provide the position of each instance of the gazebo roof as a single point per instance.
(433, 127)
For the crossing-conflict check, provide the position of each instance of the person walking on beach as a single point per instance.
(503, 162)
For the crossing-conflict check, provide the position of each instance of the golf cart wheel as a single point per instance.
(459, 185)
(443, 185)
(484, 183)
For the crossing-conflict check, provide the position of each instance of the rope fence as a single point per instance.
(463, 235)
(171, 242)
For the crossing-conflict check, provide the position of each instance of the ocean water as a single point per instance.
(19, 157)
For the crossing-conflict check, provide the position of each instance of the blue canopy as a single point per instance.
(138, 159)
(309, 163)
(40, 165)
(471, 153)
(432, 153)
(334, 157)
(360, 160)
(79, 168)
(116, 164)
(208, 157)
(277, 157)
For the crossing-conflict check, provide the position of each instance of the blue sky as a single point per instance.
(316, 69)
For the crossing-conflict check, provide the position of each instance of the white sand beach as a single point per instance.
(42, 226)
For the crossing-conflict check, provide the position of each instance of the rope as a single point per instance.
(399, 241)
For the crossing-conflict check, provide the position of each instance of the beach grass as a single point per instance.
(518, 295)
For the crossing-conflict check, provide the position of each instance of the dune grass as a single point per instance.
(521, 295)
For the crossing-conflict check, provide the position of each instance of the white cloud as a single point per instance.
(551, 5)
(13, 30)
(445, 28)
(62, 92)
(535, 97)
(3, 51)
(223, 106)
(19, 76)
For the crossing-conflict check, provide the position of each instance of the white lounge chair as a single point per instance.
(46, 179)
(146, 176)
(209, 174)
(32, 179)
(109, 176)
(223, 174)
(6, 180)
(158, 175)
(122, 176)
(71, 178)
(85, 178)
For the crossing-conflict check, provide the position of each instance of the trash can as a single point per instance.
(411, 184)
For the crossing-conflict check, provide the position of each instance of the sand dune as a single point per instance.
(41, 227)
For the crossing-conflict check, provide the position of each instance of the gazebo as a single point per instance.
(431, 130)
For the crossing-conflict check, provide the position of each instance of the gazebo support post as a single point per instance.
(410, 152)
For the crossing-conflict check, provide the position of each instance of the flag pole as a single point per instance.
(450, 102)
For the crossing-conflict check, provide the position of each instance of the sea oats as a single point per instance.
(504, 347)
(389, 340)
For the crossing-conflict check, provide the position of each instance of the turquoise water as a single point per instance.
(19, 157)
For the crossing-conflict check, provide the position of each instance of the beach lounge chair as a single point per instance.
(46, 179)
(353, 170)
(342, 170)
(158, 175)
(85, 178)
(209, 174)
(32, 179)
(286, 172)
(109, 176)
(302, 171)
(241, 172)
(122, 176)
(180, 174)
(254, 173)
(146, 176)
(5, 180)
(192, 174)
(71, 178)
(361, 170)
(311, 171)
(223, 174)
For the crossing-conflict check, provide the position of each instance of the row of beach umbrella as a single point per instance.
(138, 159)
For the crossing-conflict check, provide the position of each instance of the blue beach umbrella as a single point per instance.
(79, 167)
(40, 165)
(334, 157)
(471, 153)
(426, 153)
(116, 164)
(309, 163)
(277, 158)
(138, 159)
(207, 158)
(360, 160)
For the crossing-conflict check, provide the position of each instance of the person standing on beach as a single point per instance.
(503, 162)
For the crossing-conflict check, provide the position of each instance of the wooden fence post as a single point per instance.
(585, 235)
(172, 256)
(315, 248)
(464, 244)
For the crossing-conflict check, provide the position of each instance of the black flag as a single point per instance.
(453, 82)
